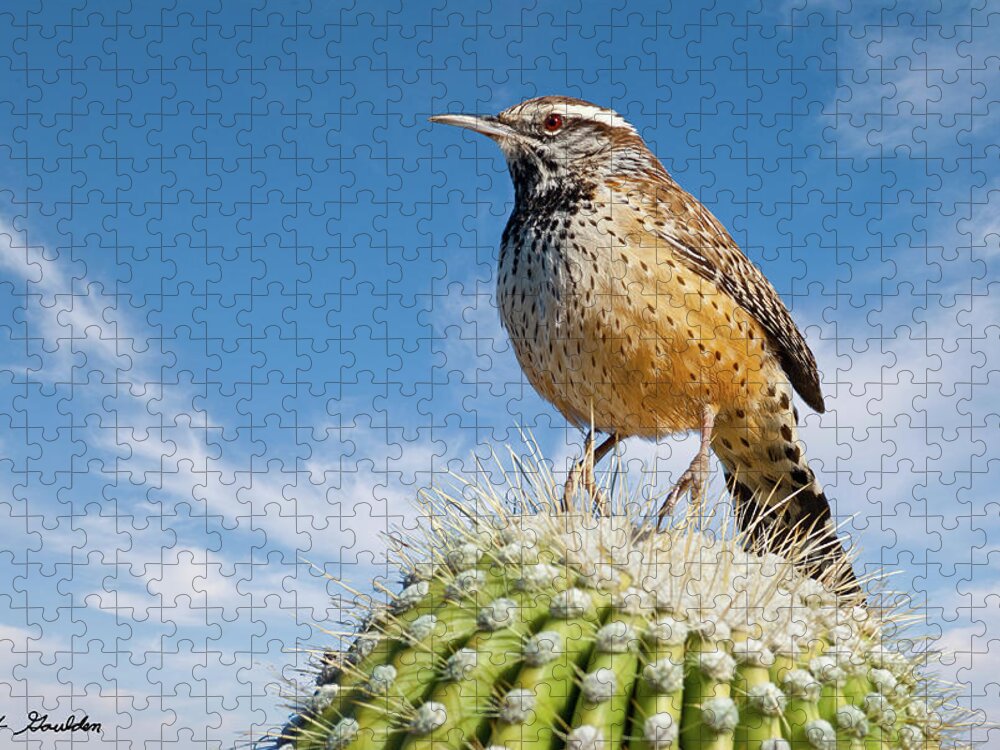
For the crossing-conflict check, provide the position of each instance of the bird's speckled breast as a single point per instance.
(606, 324)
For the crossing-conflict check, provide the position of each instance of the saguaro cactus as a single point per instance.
(551, 630)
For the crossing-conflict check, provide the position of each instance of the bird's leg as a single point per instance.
(583, 473)
(601, 505)
(604, 448)
(695, 477)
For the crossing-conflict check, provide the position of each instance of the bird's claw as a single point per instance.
(582, 474)
(694, 480)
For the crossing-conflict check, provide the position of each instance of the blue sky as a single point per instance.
(247, 304)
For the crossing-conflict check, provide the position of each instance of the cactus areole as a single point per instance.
(555, 630)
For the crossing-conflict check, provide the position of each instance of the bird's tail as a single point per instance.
(779, 504)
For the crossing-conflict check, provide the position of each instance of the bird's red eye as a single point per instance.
(553, 122)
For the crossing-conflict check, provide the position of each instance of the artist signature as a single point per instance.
(36, 722)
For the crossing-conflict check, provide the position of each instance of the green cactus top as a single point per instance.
(547, 631)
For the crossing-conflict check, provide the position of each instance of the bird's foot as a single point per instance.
(694, 480)
(695, 477)
(582, 474)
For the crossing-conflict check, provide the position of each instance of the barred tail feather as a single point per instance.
(780, 505)
(780, 519)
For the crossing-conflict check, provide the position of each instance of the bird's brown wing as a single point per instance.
(704, 246)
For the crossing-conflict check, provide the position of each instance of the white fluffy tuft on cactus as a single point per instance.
(556, 629)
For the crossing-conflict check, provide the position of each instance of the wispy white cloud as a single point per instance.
(153, 568)
(907, 85)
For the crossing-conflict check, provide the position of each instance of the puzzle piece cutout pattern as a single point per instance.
(247, 306)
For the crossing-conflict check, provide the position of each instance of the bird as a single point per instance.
(633, 311)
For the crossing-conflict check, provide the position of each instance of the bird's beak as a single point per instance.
(488, 125)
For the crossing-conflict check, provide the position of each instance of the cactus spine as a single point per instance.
(553, 630)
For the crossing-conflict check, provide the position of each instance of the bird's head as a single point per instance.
(554, 142)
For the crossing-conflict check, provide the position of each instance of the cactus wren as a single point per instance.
(631, 309)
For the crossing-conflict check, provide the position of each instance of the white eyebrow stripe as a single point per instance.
(606, 116)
